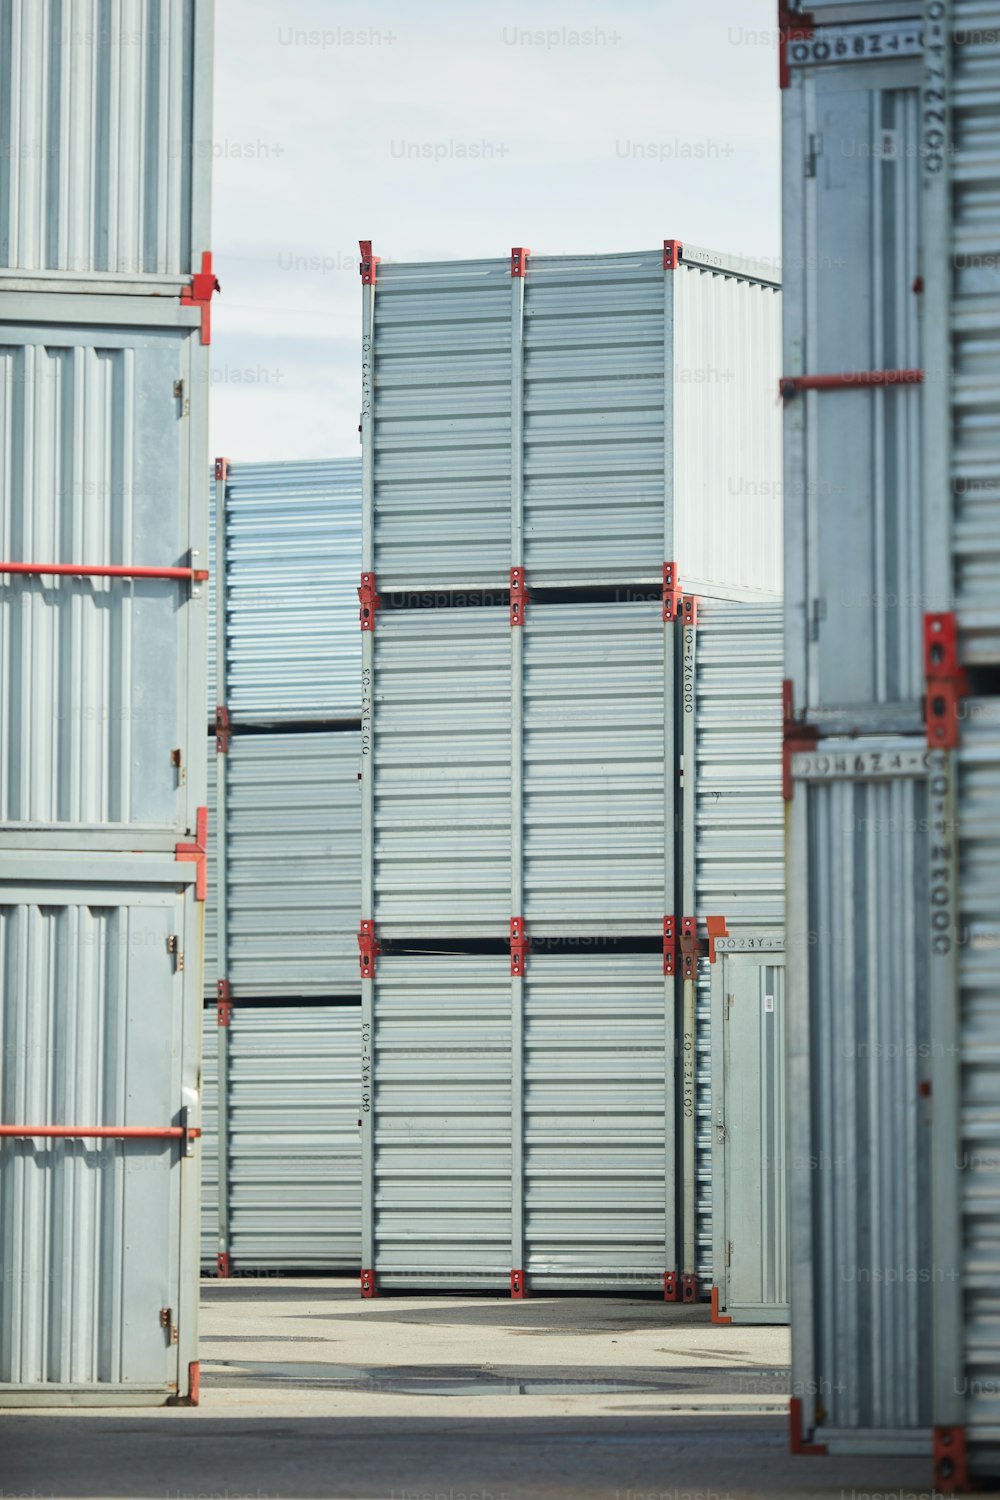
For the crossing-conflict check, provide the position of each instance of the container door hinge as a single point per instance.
(198, 853)
(519, 946)
(222, 469)
(370, 601)
(369, 946)
(519, 260)
(177, 761)
(174, 948)
(519, 596)
(673, 594)
(796, 736)
(947, 683)
(689, 948)
(369, 263)
(199, 294)
(816, 618)
(670, 945)
(223, 730)
(223, 1002)
(179, 390)
(167, 1322)
(673, 254)
(814, 150)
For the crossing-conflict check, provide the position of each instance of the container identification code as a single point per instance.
(856, 44)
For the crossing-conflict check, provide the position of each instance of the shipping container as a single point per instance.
(854, 564)
(584, 418)
(518, 1129)
(863, 1272)
(289, 846)
(101, 972)
(292, 1190)
(290, 553)
(106, 140)
(749, 1148)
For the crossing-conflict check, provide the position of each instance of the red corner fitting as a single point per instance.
(223, 730)
(670, 1286)
(369, 945)
(689, 1287)
(222, 469)
(793, 26)
(519, 596)
(689, 609)
(519, 946)
(951, 1464)
(199, 294)
(370, 601)
(673, 254)
(368, 1284)
(222, 1263)
(519, 260)
(223, 1002)
(518, 1284)
(718, 1317)
(673, 596)
(689, 949)
(194, 1383)
(369, 263)
(796, 1440)
(796, 736)
(716, 928)
(670, 948)
(947, 683)
(198, 853)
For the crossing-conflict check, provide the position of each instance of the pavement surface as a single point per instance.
(307, 1391)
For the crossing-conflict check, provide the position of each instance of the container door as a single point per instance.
(756, 1173)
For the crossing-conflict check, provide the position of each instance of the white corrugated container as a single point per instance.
(106, 143)
(587, 420)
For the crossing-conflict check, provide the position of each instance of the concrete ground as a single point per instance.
(309, 1392)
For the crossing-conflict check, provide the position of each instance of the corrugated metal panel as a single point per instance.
(863, 1277)
(294, 866)
(105, 138)
(98, 674)
(442, 714)
(211, 973)
(605, 427)
(854, 584)
(974, 364)
(598, 1128)
(979, 1036)
(96, 1236)
(596, 842)
(704, 1112)
(293, 561)
(209, 1139)
(440, 1201)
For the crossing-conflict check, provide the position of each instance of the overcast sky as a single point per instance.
(446, 130)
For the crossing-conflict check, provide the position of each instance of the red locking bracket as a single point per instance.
(223, 1264)
(199, 294)
(673, 254)
(198, 853)
(370, 601)
(223, 730)
(689, 1287)
(796, 737)
(689, 947)
(519, 260)
(520, 945)
(223, 1002)
(370, 948)
(951, 1463)
(673, 594)
(689, 609)
(670, 946)
(369, 263)
(947, 683)
(670, 1286)
(519, 596)
(368, 1284)
(222, 469)
(518, 1285)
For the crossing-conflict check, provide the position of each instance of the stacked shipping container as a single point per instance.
(539, 434)
(105, 284)
(893, 575)
(282, 983)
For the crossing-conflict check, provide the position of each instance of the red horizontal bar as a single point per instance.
(790, 385)
(113, 1132)
(75, 570)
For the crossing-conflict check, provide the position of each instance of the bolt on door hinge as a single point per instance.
(167, 1321)
(174, 947)
(814, 149)
(817, 618)
(179, 389)
(177, 761)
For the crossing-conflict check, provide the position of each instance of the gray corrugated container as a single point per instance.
(293, 862)
(98, 1236)
(292, 556)
(589, 420)
(519, 1125)
(294, 1177)
(863, 1272)
(103, 677)
(106, 143)
(854, 570)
